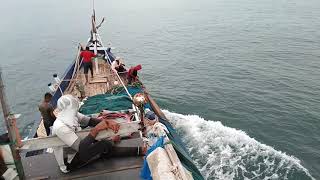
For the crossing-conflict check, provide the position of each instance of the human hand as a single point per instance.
(116, 139)
(113, 125)
(103, 125)
(99, 127)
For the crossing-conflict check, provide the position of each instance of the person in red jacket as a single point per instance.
(87, 62)
(133, 73)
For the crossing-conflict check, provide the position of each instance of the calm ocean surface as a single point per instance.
(239, 79)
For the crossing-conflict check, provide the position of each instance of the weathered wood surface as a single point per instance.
(181, 171)
(12, 128)
(54, 141)
(100, 84)
(116, 168)
(97, 84)
(155, 106)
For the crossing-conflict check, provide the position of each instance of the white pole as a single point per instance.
(96, 52)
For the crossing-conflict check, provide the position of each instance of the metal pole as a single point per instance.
(13, 133)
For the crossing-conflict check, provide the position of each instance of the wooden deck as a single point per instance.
(45, 167)
(101, 82)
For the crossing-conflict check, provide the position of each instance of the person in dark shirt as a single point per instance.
(87, 63)
(46, 110)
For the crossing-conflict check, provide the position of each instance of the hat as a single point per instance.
(151, 115)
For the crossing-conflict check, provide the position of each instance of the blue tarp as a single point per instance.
(145, 171)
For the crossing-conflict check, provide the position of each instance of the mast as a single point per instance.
(13, 132)
(94, 37)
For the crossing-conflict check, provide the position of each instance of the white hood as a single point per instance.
(68, 108)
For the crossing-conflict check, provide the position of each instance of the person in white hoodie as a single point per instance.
(66, 125)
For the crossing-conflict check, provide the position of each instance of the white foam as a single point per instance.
(222, 152)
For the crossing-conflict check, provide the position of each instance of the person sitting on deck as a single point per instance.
(46, 110)
(118, 66)
(87, 62)
(68, 122)
(150, 119)
(132, 75)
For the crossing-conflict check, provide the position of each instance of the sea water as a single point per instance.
(240, 78)
(226, 153)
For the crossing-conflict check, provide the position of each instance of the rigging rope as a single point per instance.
(98, 37)
(77, 65)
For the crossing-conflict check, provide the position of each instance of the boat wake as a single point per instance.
(222, 152)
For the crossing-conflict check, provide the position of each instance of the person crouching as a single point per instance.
(132, 75)
(66, 125)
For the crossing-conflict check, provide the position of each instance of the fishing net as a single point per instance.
(97, 103)
(119, 100)
(133, 89)
(115, 101)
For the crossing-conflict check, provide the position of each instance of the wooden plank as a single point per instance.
(45, 165)
(13, 132)
(176, 162)
(102, 174)
(155, 106)
(54, 141)
(101, 75)
(98, 81)
(97, 84)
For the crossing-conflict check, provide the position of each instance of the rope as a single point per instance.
(75, 69)
(98, 37)
(77, 65)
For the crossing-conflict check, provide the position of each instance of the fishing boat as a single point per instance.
(32, 157)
